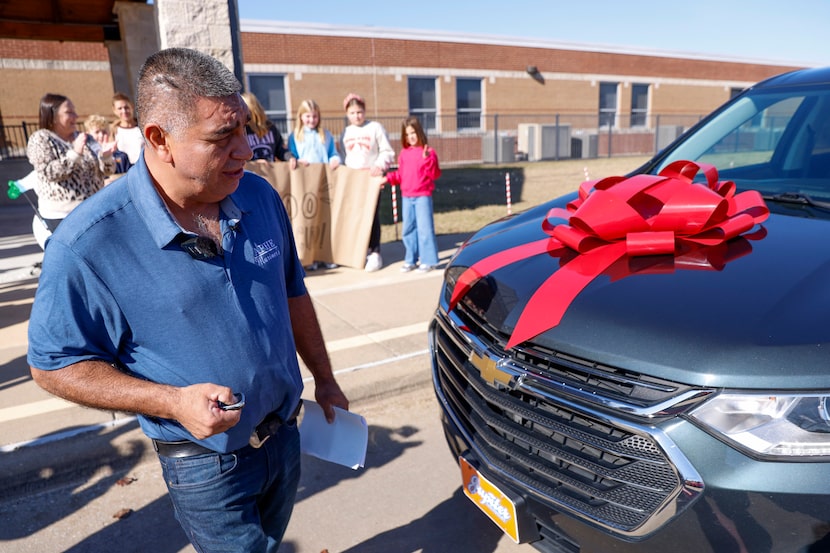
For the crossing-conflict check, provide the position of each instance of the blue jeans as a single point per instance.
(419, 231)
(239, 501)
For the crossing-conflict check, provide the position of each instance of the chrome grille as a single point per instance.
(610, 382)
(603, 468)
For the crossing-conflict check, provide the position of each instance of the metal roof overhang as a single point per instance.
(59, 20)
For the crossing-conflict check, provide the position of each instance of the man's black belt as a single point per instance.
(180, 449)
(264, 430)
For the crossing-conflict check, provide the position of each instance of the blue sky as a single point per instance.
(795, 31)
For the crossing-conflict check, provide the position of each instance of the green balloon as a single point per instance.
(14, 191)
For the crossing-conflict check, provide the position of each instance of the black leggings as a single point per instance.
(374, 236)
(52, 224)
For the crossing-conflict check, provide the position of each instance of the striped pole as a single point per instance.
(395, 209)
(507, 193)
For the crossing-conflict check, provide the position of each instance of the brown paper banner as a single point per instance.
(331, 210)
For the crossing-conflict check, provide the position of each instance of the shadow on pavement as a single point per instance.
(16, 218)
(383, 447)
(14, 373)
(85, 466)
(16, 301)
(11, 250)
(62, 486)
(151, 528)
(15, 306)
(454, 525)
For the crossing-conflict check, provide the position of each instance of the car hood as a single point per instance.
(759, 320)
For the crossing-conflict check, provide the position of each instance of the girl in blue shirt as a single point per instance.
(310, 142)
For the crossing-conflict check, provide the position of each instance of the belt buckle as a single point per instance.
(255, 441)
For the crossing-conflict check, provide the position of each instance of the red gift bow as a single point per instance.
(615, 217)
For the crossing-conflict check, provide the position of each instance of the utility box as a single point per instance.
(585, 145)
(529, 141)
(544, 141)
(666, 134)
(556, 141)
(506, 149)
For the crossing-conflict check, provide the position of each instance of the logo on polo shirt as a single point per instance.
(265, 252)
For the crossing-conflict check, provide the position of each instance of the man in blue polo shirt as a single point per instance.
(176, 293)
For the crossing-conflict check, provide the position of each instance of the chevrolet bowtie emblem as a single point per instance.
(489, 370)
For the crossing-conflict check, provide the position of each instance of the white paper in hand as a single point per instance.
(343, 441)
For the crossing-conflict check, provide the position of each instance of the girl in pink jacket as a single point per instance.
(417, 170)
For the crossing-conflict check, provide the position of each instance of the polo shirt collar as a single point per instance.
(151, 208)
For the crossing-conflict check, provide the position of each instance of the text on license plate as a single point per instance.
(489, 499)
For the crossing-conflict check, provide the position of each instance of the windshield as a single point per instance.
(776, 141)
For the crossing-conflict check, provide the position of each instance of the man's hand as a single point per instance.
(198, 410)
(329, 395)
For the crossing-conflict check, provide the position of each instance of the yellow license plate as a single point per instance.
(491, 500)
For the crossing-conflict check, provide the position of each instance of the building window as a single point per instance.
(468, 103)
(608, 104)
(423, 100)
(639, 105)
(270, 91)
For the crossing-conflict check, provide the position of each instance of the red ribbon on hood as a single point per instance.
(619, 217)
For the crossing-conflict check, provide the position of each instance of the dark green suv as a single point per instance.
(644, 365)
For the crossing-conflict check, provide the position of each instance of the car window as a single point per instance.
(753, 142)
(773, 141)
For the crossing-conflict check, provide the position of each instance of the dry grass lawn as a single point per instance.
(467, 198)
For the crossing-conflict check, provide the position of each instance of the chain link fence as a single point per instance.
(471, 139)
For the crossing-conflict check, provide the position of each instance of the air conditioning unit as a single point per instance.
(584, 145)
(498, 151)
(541, 141)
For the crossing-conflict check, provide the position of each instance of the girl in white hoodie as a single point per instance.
(366, 146)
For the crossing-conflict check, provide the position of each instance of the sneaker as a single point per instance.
(425, 268)
(407, 267)
(373, 262)
(317, 265)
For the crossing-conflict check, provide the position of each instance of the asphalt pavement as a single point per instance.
(375, 329)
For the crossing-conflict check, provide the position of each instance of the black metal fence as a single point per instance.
(13, 139)
(499, 138)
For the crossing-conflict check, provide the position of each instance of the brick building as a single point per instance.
(459, 84)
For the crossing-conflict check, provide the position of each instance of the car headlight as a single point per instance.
(451, 276)
(770, 425)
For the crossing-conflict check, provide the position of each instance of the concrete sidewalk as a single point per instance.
(374, 323)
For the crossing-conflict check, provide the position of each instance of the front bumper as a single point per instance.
(582, 491)
(724, 520)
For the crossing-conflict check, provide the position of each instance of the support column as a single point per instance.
(210, 26)
(139, 39)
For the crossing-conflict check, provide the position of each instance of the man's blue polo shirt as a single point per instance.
(117, 286)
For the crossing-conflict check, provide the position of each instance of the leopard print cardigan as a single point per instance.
(65, 178)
